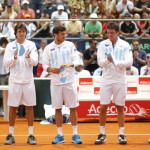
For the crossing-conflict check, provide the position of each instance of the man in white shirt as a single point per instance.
(59, 58)
(80, 72)
(20, 56)
(3, 71)
(98, 72)
(114, 55)
(60, 14)
(30, 26)
(132, 71)
(123, 7)
(145, 70)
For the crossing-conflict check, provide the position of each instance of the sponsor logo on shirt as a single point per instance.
(52, 49)
(106, 45)
(130, 50)
(132, 90)
(86, 81)
(14, 47)
(144, 80)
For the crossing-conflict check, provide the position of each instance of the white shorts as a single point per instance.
(118, 91)
(66, 93)
(21, 94)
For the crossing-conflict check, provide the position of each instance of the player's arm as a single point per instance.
(89, 61)
(10, 56)
(128, 58)
(101, 56)
(32, 56)
(46, 62)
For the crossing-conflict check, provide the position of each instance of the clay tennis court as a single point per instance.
(137, 134)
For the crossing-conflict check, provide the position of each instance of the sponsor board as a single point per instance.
(134, 109)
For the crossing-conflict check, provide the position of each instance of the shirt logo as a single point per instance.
(52, 49)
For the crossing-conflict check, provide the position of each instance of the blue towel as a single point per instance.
(22, 50)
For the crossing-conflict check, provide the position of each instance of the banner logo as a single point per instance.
(85, 81)
(132, 90)
(96, 90)
(144, 80)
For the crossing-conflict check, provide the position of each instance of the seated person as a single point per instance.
(74, 28)
(145, 70)
(79, 71)
(123, 7)
(128, 28)
(98, 72)
(144, 25)
(132, 71)
(93, 28)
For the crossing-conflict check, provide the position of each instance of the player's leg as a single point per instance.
(102, 120)
(57, 103)
(120, 92)
(104, 101)
(71, 101)
(12, 116)
(29, 100)
(14, 98)
(30, 117)
(121, 117)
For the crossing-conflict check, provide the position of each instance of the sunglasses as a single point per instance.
(135, 44)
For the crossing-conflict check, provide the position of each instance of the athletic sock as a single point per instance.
(11, 130)
(102, 129)
(121, 130)
(59, 129)
(74, 128)
(30, 130)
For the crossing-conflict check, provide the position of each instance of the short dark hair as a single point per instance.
(136, 40)
(3, 40)
(20, 26)
(113, 25)
(91, 40)
(58, 29)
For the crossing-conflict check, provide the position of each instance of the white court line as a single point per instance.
(79, 134)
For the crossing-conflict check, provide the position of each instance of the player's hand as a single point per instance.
(15, 54)
(95, 54)
(109, 58)
(53, 70)
(131, 73)
(28, 54)
(67, 65)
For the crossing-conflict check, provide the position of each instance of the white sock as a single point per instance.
(102, 129)
(121, 130)
(75, 129)
(11, 130)
(59, 129)
(30, 130)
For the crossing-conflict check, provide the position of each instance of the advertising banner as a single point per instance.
(137, 101)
